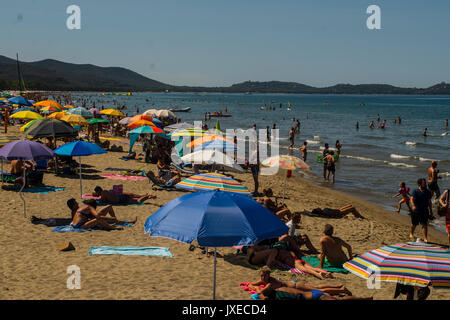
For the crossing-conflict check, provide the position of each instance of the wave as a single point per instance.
(424, 159)
(361, 158)
(400, 164)
(399, 156)
(313, 142)
(410, 143)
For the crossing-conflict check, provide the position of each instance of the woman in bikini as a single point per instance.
(266, 280)
(87, 217)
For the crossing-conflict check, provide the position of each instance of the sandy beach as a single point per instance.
(33, 268)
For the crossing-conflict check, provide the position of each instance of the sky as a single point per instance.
(219, 43)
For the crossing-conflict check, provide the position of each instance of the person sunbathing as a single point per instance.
(170, 179)
(337, 213)
(87, 216)
(331, 248)
(285, 293)
(125, 197)
(296, 242)
(266, 280)
(280, 210)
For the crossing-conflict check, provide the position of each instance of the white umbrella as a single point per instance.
(211, 156)
(150, 112)
(166, 114)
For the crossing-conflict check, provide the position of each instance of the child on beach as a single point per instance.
(404, 192)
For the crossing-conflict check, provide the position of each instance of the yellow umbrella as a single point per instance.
(75, 119)
(48, 103)
(57, 115)
(69, 106)
(112, 112)
(26, 115)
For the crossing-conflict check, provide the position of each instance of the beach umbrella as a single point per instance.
(25, 150)
(51, 109)
(57, 115)
(51, 128)
(212, 181)
(28, 124)
(7, 138)
(147, 129)
(285, 162)
(112, 112)
(97, 121)
(223, 145)
(48, 103)
(215, 219)
(188, 132)
(165, 114)
(26, 115)
(178, 126)
(24, 109)
(140, 123)
(151, 112)
(67, 107)
(80, 111)
(141, 117)
(20, 101)
(412, 263)
(208, 138)
(80, 149)
(125, 121)
(211, 156)
(75, 119)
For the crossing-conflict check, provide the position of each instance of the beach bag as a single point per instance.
(442, 211)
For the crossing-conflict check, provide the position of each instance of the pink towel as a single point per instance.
(89, 196)
(244, 286)
(122, 177)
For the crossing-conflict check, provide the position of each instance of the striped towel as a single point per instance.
(132, 251)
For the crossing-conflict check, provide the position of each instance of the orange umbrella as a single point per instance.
(141, 123)
(206, 138)
(141, 117)
(48, 103)
(57, 115)
(69, 106)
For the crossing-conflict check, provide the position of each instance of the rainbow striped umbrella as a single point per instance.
(286, 162)
(188, 132)
(412, 263)
(7, 138)
(212, 181)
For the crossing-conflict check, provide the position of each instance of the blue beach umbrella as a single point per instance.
(222, 145)
(80, 111)
(80, 149)
(20, 101)
(216, 219)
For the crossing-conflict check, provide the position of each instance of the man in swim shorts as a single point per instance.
(432, 180)
(331, 248)
(422, 209)
(125, 197)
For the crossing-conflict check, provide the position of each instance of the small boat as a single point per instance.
(187, 109)
(289, 107)
(220, 115)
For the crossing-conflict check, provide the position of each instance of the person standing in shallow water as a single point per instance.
(324, 154)
(304, 150)
(291, 138)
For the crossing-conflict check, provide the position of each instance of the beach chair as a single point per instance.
(167, 185)
(181, 169)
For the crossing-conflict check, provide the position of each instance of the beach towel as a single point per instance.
(43, 190)
(69, 228)
(102, 204)
(315, 262)
(126, 159)
(132, 251)
(122, 177)
(284, 267)
(244, 286)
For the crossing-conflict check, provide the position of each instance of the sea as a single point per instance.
(372, 162)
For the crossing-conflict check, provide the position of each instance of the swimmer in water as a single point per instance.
(425, 132)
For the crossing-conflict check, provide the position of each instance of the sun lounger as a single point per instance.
(180, 168)
(168, 184)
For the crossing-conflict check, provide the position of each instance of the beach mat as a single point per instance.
(102, 204)
(43, 190)
(132, 251)
(69, 228)
(122, 177)
(315, 262)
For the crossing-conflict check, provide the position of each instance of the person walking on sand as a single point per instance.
(432, 180)
(304, 150)
(404, 192)
(444, 203)
(422, 209)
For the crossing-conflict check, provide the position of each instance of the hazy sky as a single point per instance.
(216, 43)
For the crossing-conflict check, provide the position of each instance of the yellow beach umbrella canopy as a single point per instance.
(57, 115)
(26, 115)
(74, 119)
(26, 125)
(112, 112)
(69, 106)
(48, 103)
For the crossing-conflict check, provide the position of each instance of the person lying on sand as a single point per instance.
(280, 210)
(87, 217)
(258, 255)
(331, 248)
(173, 178)
(125, 197)
(285, 293)
(296, 242)
(337, 213)
(266, 280)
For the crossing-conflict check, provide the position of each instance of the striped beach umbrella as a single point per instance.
(412, 263)
(189, 132)
(7, 138)
(286, 162)
(212, 181)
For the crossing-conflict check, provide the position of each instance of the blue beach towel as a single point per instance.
(43, 190)
(132, 251)
(69, 228)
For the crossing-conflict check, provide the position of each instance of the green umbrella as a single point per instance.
(97, 120)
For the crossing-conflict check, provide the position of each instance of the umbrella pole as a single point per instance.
(21, 195)
(81, 187)
(215, 264)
